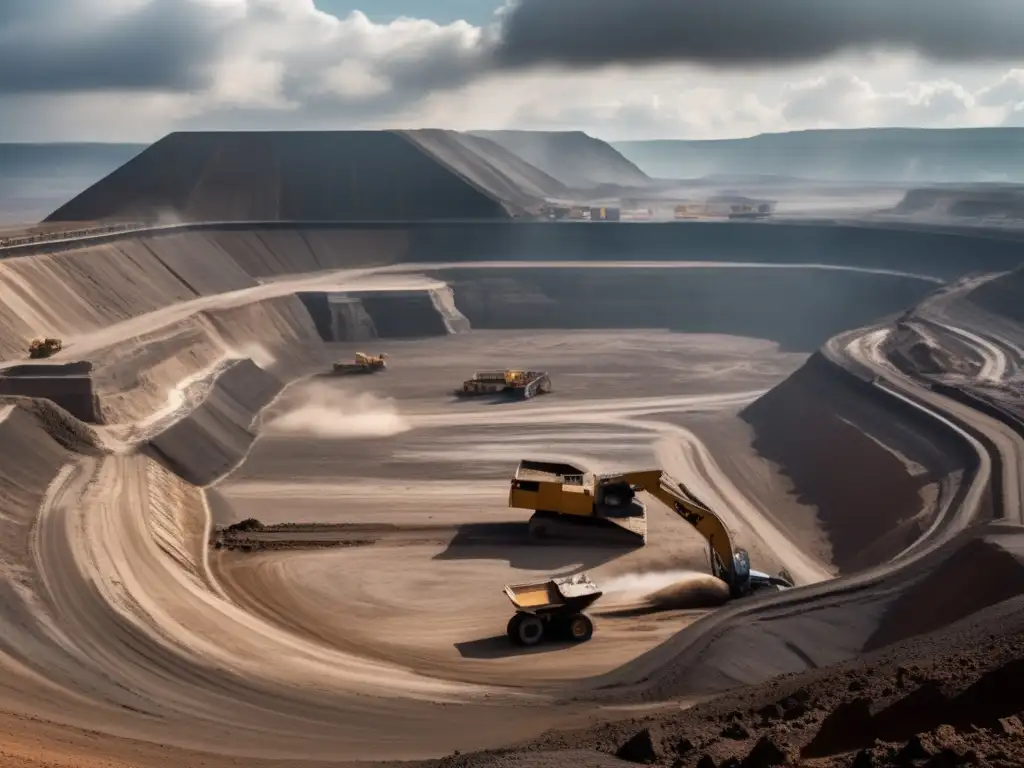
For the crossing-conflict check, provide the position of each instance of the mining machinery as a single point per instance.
(518, 385)
(48, 347)
(363, 364)
(570, 503)
(552, 610)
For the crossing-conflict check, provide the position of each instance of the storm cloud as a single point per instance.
(52, 46)
(725, 33)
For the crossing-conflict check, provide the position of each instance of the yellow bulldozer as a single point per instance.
(570, 503)
(363, 363)
(44, 347)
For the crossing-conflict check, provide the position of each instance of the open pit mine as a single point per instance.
(764, 509)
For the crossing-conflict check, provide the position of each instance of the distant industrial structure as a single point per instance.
(642, 210)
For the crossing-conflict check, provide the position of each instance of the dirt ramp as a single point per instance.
(156, 374)
(32, 461)
(210, 441)
(66, 294)
(873, 470)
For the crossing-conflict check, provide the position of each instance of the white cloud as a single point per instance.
(284, 64)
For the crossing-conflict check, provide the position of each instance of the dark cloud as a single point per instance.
(50, 46)
(724, 33)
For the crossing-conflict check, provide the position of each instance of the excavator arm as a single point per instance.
(731, 564)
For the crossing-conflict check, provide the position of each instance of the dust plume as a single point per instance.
(666, 590)
(322, 410)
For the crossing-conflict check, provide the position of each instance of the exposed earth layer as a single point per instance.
(878, 463)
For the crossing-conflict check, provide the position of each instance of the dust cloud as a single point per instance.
(325, 411)
(667, 590)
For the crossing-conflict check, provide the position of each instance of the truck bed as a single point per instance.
(570, 593)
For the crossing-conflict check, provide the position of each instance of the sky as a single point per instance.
(134, 70)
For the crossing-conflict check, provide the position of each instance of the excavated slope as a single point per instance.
(490, 167)
(761, 303)
(210, 441)
(574, 158)
(876, 473)
(143, 524)
(1003, 296)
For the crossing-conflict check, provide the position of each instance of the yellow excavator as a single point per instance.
(569, 502)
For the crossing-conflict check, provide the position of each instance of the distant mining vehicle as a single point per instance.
(518, 385)
(570, 503)
(48, 347)
(362, 364)
(551, 610)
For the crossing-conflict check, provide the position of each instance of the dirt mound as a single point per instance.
(211, 440)
(290, 176)
(820, 423)
(702, 592)
(574, 158)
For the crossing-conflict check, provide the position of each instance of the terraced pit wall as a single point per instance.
(223, 363)
(877, 471)
(773, 304)
(87, 285)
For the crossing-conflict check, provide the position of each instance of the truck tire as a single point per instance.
(525, 630)
(581, 628)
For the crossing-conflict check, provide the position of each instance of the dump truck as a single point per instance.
(519, 385)
(551, 610)
(47, 347)
(570, 503)
(362, 364)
